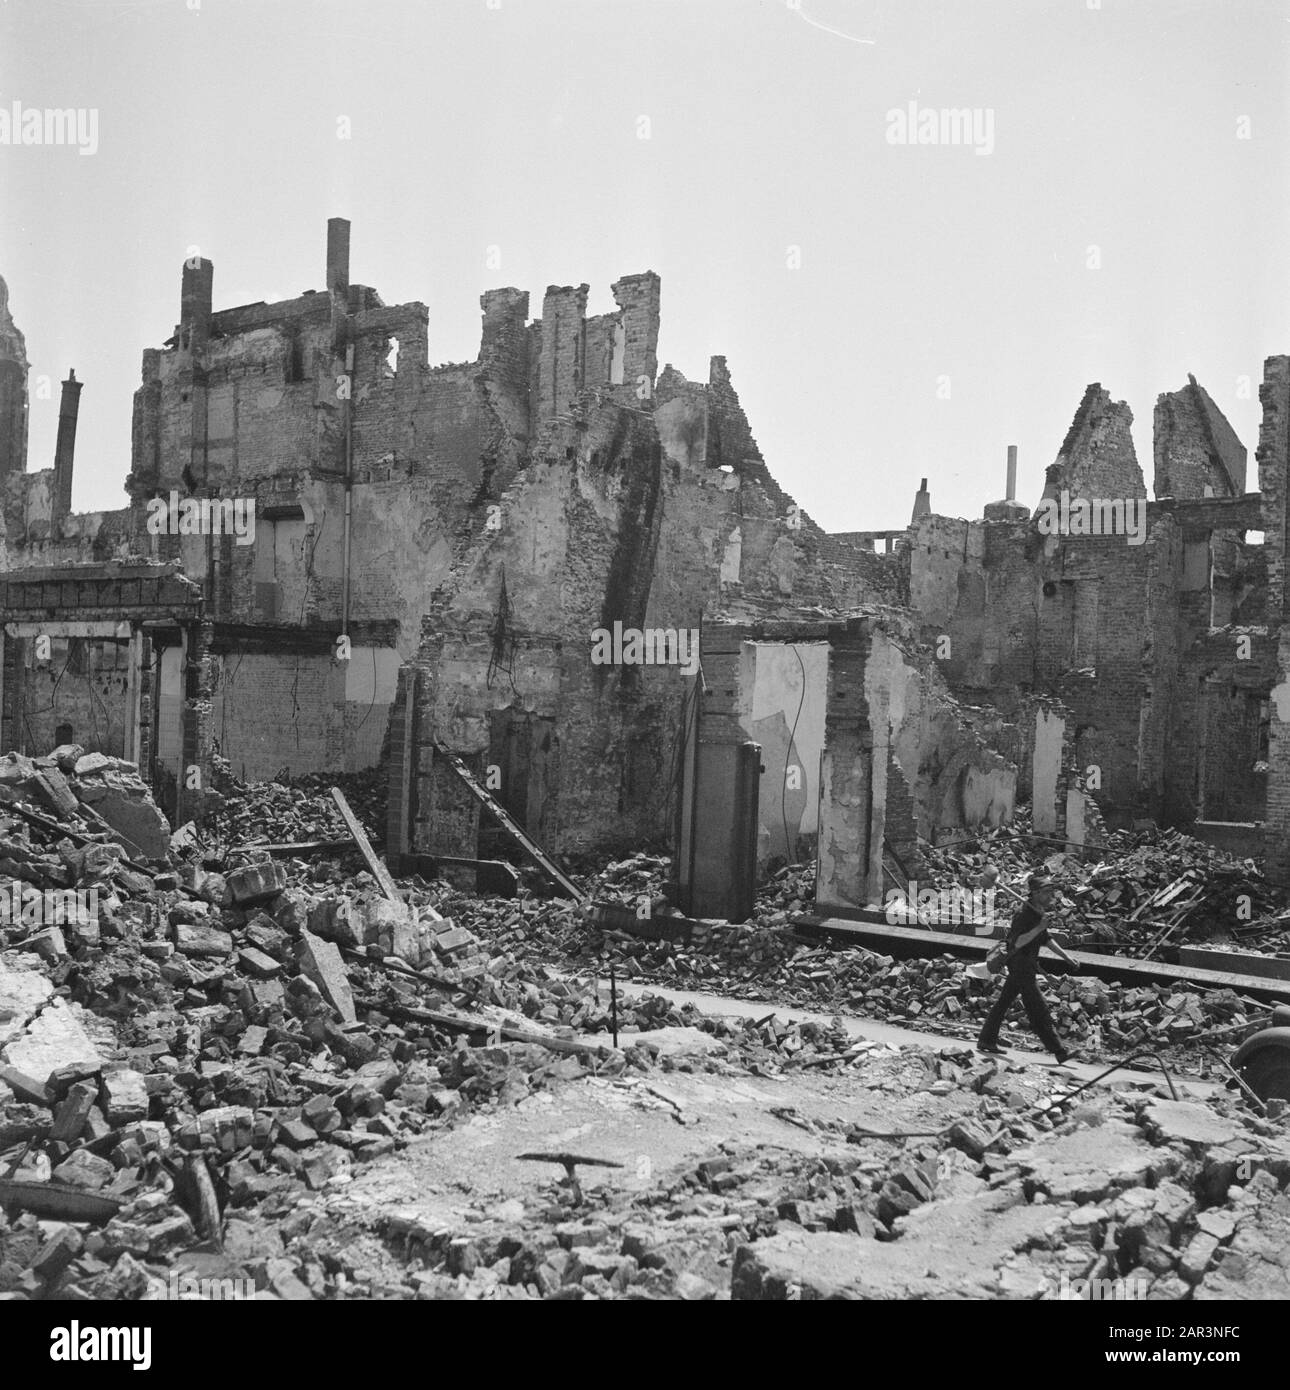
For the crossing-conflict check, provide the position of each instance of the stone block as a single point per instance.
(124, 1097)
(320, 961)
(257, 883)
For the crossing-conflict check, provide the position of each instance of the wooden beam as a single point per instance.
(467, 1023)
(375, 865)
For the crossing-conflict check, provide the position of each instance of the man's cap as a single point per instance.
(1037, 881)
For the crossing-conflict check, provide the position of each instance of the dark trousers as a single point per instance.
(1021, 981)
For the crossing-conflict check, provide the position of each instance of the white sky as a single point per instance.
(517, 127)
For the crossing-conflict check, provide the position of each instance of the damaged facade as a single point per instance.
(1162, 643)
(433, 549)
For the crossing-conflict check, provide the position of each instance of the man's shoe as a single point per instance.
(993, 1049)
(1063, 1057)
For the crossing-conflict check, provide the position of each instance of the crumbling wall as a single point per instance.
(953, 779)
(1118, 625)
(1097, 458)
(1277, 825)
(1197, 453)
(1274, 487)
(622, 515)
(1273, 455)
(13, 391)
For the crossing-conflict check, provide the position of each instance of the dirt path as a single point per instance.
(876, 1031)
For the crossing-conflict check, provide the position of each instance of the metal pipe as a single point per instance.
(613, 1001)
(349, 487)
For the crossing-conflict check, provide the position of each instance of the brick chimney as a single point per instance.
(65, 450)
(195, 297)
(922, 503)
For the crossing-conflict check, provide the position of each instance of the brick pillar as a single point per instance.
(561, 363)
(402, 768)
(1272, 453)
(852, 804)
(638, 296)
(1277, 815)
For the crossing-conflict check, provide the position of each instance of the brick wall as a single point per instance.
(1195, 447)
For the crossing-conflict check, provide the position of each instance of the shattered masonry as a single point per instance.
(468, 526)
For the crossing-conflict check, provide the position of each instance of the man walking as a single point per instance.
(1025, 936)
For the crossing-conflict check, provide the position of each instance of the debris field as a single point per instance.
(219, 1071)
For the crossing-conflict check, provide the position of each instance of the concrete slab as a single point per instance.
(1179, 1121)
(947, 1249)
(1089, 1164)
(56, 1038)
(679, 1042)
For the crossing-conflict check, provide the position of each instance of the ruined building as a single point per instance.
(436, 540)
(1162, 644)
(424, 556)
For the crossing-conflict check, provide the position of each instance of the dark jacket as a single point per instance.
(1026, 935)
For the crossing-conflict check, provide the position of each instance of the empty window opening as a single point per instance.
(618, 355)
(392, 357)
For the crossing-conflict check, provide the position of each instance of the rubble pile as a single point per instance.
(291, 812)
(1220, 894)
(937, 992)
(264, 1039)
(765, 961)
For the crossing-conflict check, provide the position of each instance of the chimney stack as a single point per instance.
(338, 258)
(65, 449)
(922, 502)
(1009, 509)
(195, 297)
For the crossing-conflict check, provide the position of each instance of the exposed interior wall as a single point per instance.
(952, 778)
(81, 694)
(301, 713)
(100, 689)
(786, 717)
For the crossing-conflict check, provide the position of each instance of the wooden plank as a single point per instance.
(303, 849)
(502, 816)
(57, 1201)
(910, 941)
(375, 865)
